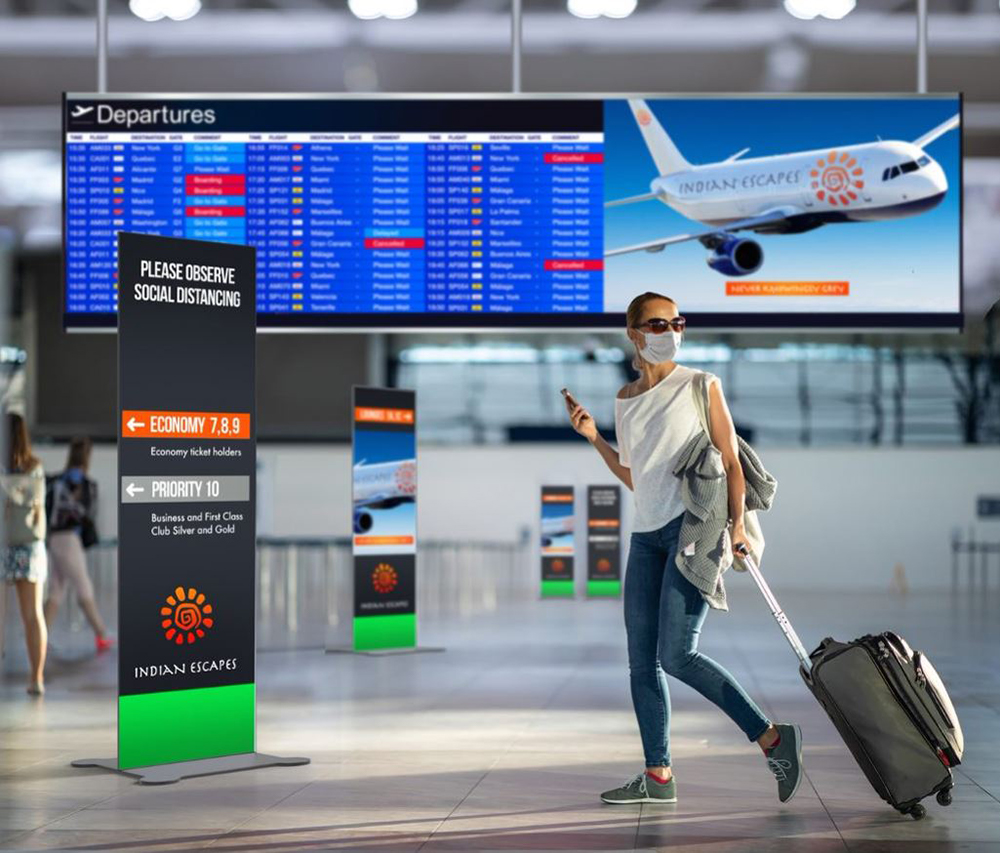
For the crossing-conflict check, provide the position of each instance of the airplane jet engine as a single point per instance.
(362, 521)
(735, 256)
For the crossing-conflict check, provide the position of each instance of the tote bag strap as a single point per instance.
(699, 388)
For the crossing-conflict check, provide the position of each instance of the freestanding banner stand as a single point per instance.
(384, 523)
(603, 541)
(187, 510)
(557, 542)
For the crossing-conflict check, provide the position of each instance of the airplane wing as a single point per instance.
(766, 218)
(940, 130)
(368, 500)
(632, 199)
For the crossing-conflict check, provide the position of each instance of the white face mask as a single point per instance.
(662, 347)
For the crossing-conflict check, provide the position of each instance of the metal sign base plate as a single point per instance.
(166, 774)
(346, 650)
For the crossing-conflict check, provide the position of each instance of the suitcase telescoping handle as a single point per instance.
(776, 611)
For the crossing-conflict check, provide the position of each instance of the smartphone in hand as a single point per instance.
(571, 402)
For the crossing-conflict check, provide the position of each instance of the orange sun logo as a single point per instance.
(604, 565)
(836, 177)
(644, 117)
(186, 616)
(384, 578)
(558, 565)
(406, 478)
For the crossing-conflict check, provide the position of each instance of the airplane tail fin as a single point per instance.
(666, 155)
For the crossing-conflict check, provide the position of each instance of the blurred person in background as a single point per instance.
(71, 503)
(22, 542)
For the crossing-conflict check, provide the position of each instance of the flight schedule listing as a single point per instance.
(352, 223)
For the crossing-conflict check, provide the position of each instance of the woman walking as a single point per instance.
(658, 424)
(72, 515)
(24, 563)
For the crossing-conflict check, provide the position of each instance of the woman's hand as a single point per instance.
(583, 423)
(738, 534)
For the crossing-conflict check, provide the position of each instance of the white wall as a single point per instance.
(842, 518)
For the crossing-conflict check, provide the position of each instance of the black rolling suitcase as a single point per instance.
(890, 707)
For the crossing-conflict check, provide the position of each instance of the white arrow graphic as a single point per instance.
(133, 423)
(132, 488)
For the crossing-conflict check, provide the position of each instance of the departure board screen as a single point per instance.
(535, 211)
(356, 209)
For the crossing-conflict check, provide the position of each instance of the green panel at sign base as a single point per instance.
(398, 631)
(604, 588)
(557, 589)
(183, 725)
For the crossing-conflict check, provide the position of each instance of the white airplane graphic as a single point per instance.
(784, 193)
(79, 111)
(553, 528)
(382, 485)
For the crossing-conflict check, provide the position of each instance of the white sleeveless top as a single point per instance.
(652, 428)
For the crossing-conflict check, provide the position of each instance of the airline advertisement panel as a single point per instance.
(384, 524)
(556, 541)
(822, 209)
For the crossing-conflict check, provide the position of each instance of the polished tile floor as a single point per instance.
(503, 742)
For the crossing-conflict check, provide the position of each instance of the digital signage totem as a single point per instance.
(557, 547)
(384, 525)
(186, 511)
(532, 211)
(604, 541)
(187, 461)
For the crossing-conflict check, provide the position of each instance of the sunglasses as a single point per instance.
(658, 325)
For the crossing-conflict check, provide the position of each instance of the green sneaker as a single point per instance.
(784, 760)
(642, 788)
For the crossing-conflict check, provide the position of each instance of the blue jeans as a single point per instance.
(664, 613)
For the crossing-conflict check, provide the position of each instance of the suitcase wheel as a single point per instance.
(944, 797)
(917, 812)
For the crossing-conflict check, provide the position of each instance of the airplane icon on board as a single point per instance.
(79, 111)
(784, 193)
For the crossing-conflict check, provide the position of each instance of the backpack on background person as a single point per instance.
(71, 504)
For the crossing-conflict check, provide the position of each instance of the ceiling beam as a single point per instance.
(224, 33)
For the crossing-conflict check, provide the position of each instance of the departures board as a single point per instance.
(354, 208)
(535, 211)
